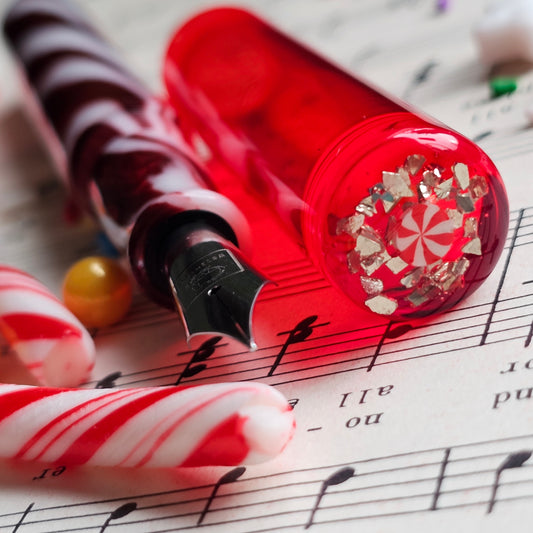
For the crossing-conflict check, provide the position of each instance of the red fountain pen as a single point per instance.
(127, 164)
(403, 214)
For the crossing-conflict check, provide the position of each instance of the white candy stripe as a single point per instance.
(200, 422)
(74, 426)
(202, 414)
(41, 411)
(70, 71)
(420, 256)
(163, 427)
(408, 222)
(99, 111)
(430, 211)
(434, 247)
(404, 242)
(57, 38)
(65, 11)
(64, 361)
(444, 227)
(17, 301)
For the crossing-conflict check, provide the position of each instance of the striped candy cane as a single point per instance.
(219, 424)
(117, 144)
(49, 340)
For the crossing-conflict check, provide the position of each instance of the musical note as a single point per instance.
(228, 477)
(299, 333)
(119, 512)
(514, 237)
(204, 352)
(440, 479)
(420, 77)
(108, 382)
(483, 135)
(385, 335)
(529, 336)
(515, 460)
(23, 517)
(338, 477)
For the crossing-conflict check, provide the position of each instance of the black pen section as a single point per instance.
(213, 287)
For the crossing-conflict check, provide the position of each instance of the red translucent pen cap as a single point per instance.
(404, 215)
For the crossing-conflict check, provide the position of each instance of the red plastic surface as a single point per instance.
(404, 215)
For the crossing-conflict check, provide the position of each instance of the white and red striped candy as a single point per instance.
(423, 235)
(218, 424)
(48, 339)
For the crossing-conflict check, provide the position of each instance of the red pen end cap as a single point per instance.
(415, 225)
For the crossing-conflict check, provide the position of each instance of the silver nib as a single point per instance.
(213, 287)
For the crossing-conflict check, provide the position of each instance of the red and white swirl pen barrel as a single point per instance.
(160, 427)
(127, 163)
(49, 340)
(406, 216)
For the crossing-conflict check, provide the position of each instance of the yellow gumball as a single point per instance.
(98, 291)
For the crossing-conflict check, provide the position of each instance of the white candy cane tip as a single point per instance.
(267, 430)
(47, 338)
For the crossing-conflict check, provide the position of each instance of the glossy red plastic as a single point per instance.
(403, 214)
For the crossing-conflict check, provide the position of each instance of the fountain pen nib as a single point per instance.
(215, 290)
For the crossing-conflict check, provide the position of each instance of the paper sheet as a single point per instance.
(399, 428)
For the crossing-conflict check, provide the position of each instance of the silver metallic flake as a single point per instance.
(394, 182)
(456, 217)
(353, 262)
(372, 286)
(372, 263)
(412, 279)
(462, 176)
(472, 247)
(396, 264)
(417, 298)
(424, 191)
(470, 228)
(366, 207)
(443, 190)
(382, 305)
(368, 242)
(414, 163)
(478, 187)
(350, 225)
(465, 203)
(449, 274)
(430, 179)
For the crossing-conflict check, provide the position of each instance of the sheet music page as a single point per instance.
(400, 427)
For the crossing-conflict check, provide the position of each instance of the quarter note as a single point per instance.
(228, 477)
(204, 352)
(515, 460)
(299, 333)
(338, 477)
(108, 382)
(440, 479)
(119, 512)
(23, 517)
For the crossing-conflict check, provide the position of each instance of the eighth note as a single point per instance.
(108, 382)
(119, 512)
(204, 352)
(515, 460)
(299, 333)
(338, 477)
(228, 477)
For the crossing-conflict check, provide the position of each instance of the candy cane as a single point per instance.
(218, 424)
(48, 339)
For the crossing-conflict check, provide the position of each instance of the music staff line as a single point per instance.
(305, 280)
(478, 473)
(360, 345)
